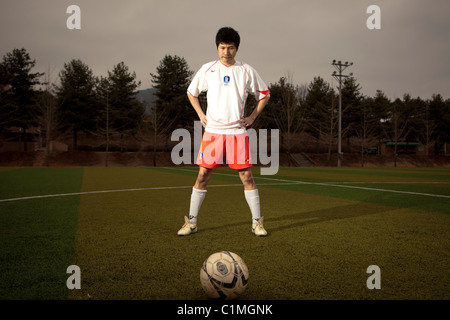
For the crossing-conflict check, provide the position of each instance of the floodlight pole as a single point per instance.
(340, 67)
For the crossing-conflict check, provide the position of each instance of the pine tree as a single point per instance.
(172, 106)
(126, 112)
(320, 112)
(76, 97)
(17, 102)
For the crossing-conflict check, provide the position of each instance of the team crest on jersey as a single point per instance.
(226, 80)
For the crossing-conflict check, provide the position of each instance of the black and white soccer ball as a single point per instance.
(224, 275)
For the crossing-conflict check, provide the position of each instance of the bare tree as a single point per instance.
(286, 110)
(365, 128)
(48, 105)
(429, 126)
(161, 124)
(396, 126)
(321, 113)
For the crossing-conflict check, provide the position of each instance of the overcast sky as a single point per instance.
(409, 54)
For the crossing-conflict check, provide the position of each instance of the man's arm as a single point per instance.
(252, 117)
(196, 104)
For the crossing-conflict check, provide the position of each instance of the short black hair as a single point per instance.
(228, 35)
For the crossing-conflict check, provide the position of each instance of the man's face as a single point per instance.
(227, 52)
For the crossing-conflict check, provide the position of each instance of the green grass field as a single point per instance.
(326, 227)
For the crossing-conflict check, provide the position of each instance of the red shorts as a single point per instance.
(217, 149)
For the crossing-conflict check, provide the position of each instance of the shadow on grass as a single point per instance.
(307, 218)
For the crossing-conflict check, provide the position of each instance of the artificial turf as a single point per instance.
(326, 227)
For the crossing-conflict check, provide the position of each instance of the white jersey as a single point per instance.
(227, 90)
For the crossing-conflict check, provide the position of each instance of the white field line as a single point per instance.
(389, 182)
(278, 182)
(333, 184)
(127, 190)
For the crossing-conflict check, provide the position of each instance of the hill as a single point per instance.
(147, 96)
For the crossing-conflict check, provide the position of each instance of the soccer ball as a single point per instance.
(224, 275)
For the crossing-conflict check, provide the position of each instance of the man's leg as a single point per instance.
(252, 197)
(204, 174)
(199, 193)
(197, 196)
(251, 193)
(246, 176)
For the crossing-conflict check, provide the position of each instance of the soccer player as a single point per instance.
(227, 83)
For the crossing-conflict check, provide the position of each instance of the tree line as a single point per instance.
(305, 114)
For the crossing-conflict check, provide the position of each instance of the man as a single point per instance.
(228, 83)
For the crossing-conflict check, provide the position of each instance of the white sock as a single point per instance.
(252, 197)
(197, 198)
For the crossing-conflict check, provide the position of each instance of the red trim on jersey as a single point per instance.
(211, 66)
(242, 65)
(227, 65)
(265, 93)
(191, 94)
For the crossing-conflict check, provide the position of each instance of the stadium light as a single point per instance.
(340, 67)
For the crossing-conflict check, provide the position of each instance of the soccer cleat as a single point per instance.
(187, 228)
(258, 228)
